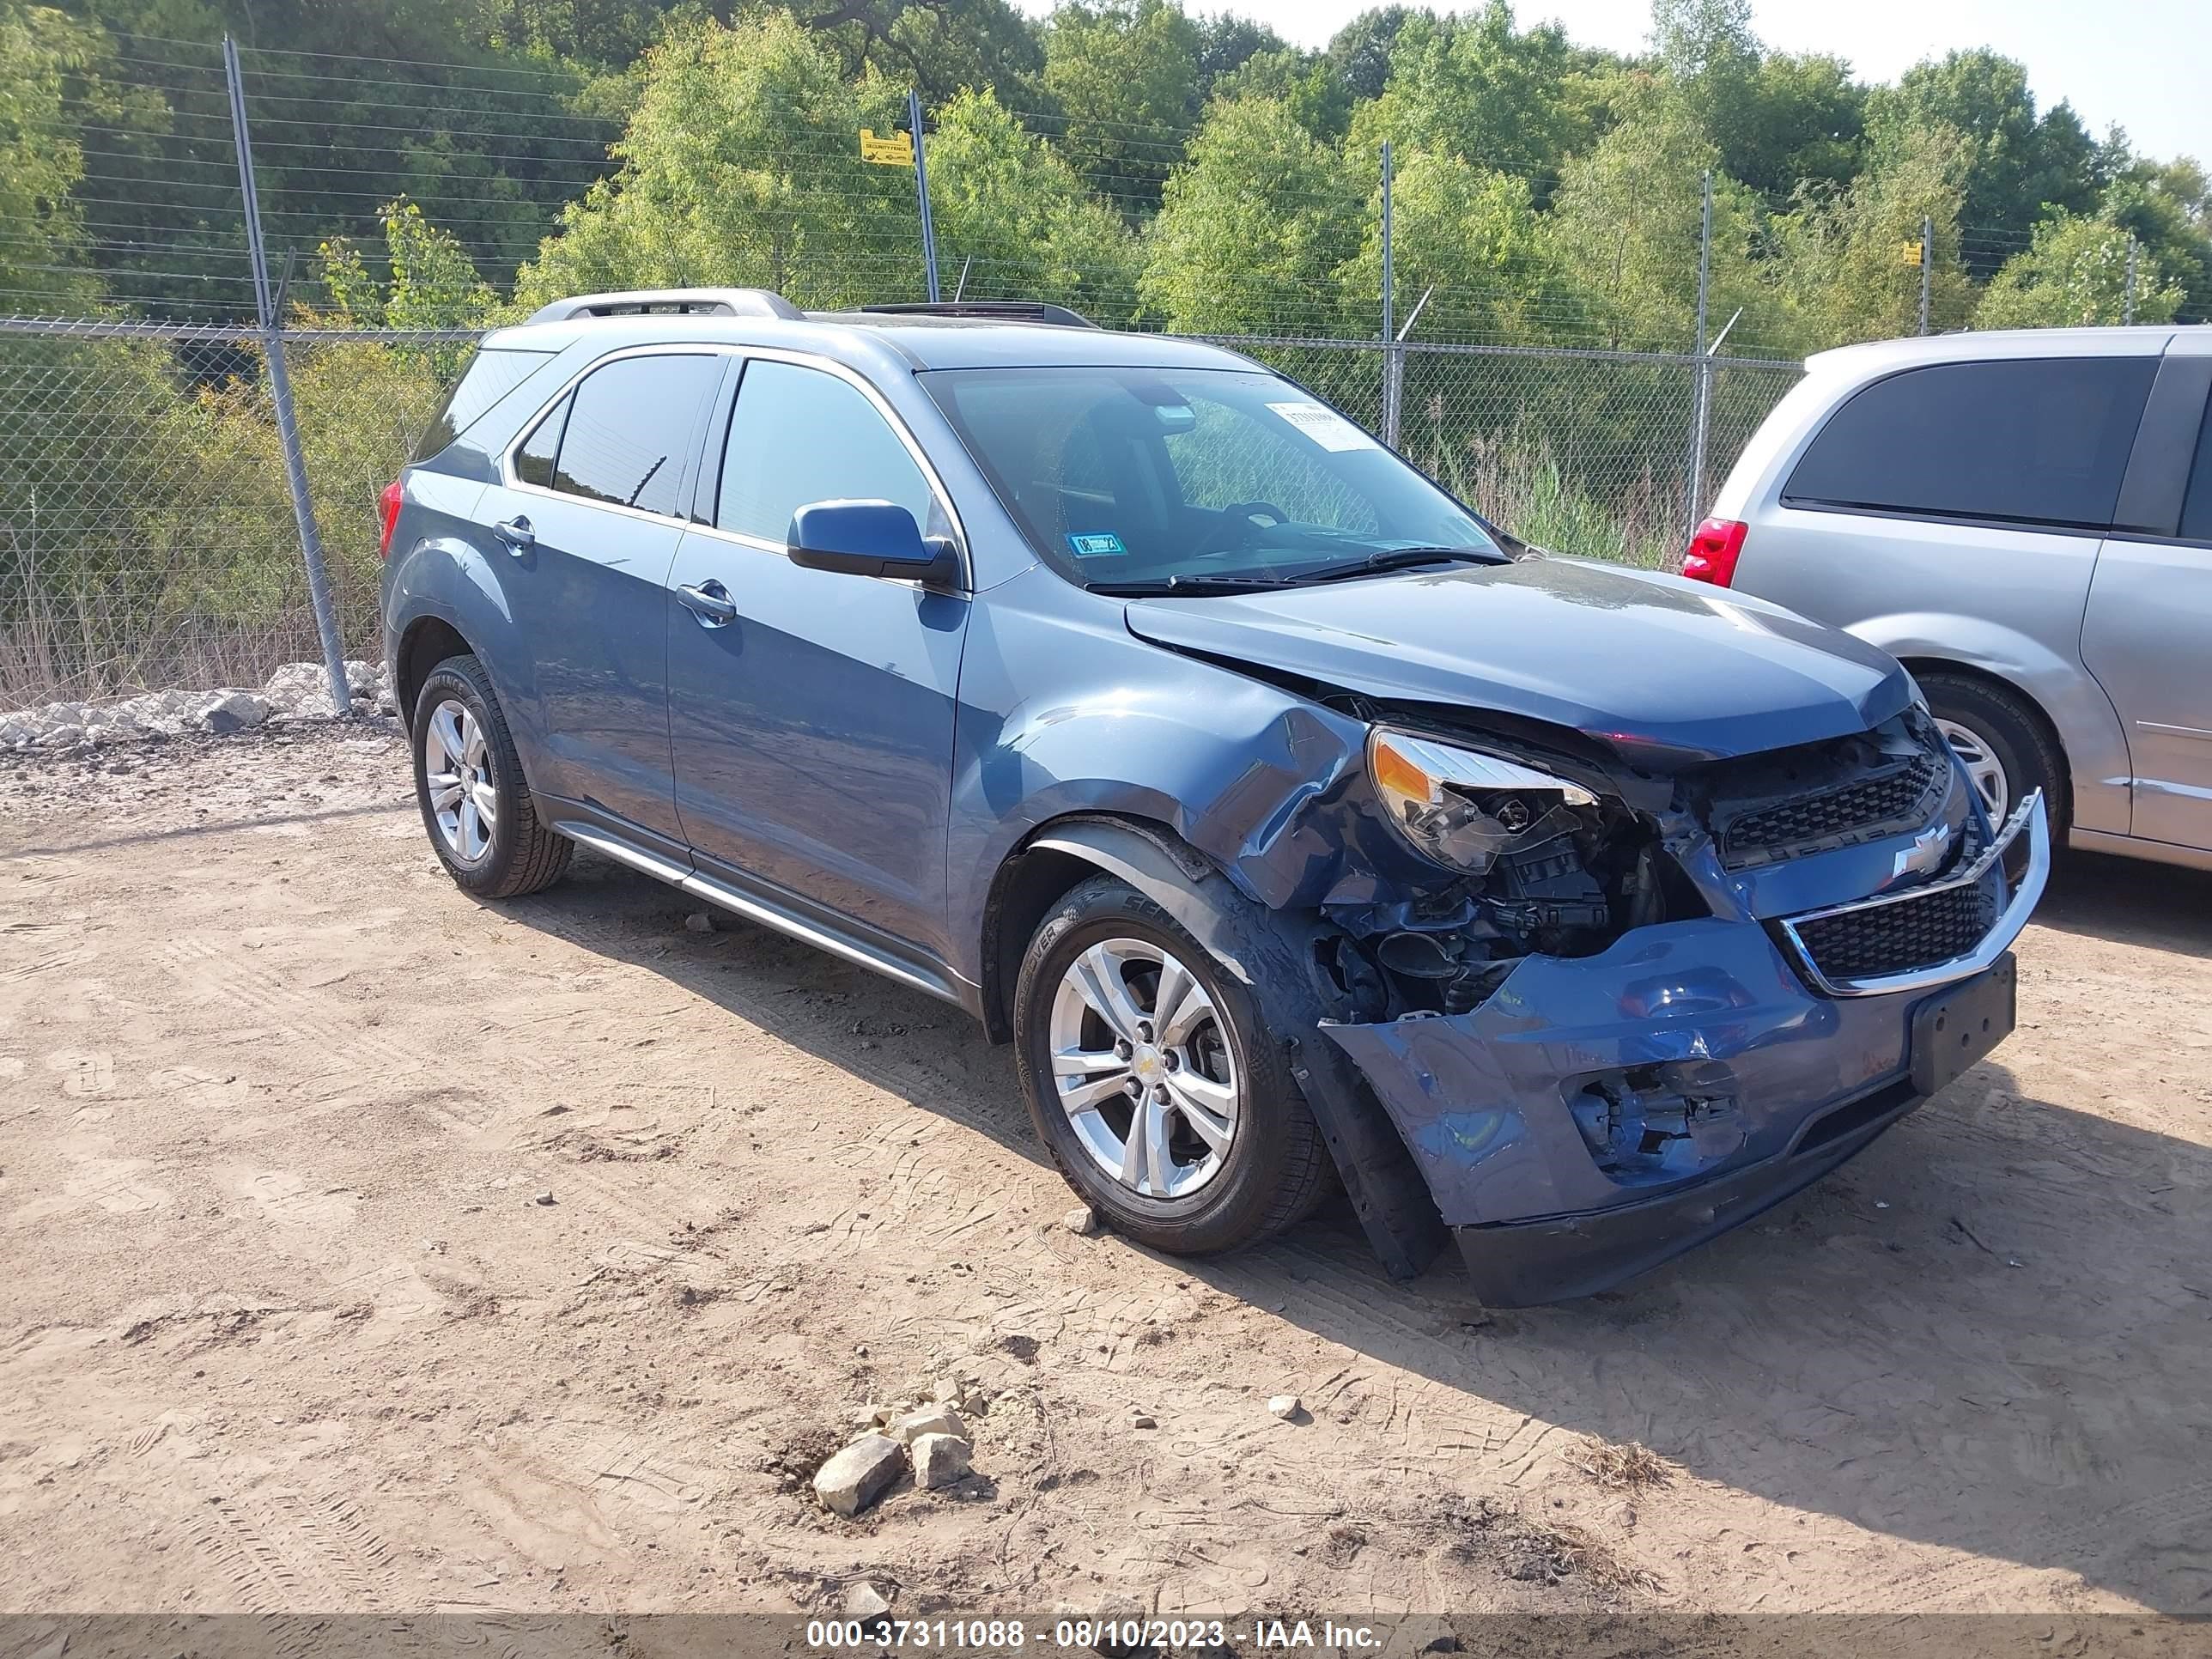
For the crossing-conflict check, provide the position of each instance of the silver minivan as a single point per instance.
(2025, 519)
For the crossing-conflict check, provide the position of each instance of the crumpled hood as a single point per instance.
(1648, 663)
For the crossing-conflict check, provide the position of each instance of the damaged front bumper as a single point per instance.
(1597, 1115)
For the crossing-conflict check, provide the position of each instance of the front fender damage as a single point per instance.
(1272, 952)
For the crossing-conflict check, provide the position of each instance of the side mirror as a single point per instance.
(870, 539)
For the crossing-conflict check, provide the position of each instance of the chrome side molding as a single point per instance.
(756, 907)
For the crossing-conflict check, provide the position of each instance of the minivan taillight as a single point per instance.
(389, 502)
(1713, 551)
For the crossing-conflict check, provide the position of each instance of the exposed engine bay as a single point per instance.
(1547, 864)
(1558, 849)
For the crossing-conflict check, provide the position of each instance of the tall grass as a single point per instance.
(1522, 488)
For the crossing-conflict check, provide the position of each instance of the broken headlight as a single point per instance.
(1463, 808)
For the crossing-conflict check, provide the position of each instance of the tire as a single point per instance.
(1273, 1167)
(519, 854)
(1990, 723)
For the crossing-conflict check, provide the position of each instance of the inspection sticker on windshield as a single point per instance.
(1324, 425)
(1098, 545)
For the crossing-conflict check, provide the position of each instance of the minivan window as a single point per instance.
(629, 429)
(2196, 505)
(2030, 440)
(493, 373)
(799, 435)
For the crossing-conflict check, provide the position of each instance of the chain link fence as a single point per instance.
(147, 533)
(148, 539)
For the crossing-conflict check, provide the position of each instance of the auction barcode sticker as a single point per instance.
(1325, 426)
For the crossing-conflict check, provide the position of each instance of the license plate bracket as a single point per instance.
(1957, 1030)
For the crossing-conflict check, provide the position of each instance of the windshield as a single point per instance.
(1130, 478)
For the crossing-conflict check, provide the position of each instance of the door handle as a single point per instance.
(517, 534)
(710, 601)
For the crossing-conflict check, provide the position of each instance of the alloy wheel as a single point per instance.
(457, 773)
(1984, 770)
(1142, 1067)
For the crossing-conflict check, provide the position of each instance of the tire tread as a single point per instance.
(539, 857)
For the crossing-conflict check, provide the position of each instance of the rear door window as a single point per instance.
(2028, 441)
(630, 428)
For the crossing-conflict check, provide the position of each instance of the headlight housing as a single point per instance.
(1463, 808)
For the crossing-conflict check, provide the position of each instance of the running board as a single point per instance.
(754, 908)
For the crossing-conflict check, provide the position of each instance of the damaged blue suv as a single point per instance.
(1298, 826)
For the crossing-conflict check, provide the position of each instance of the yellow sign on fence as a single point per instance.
(1908, 253)
(891, 149)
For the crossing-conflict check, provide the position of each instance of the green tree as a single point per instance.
(49, 59)
(1002, 197)
(1226, 42)
(1472, 236)
(1847, 262)
(2167, 208)
(937, 46)
(1363, 50)
(1778, 120)
(1516, 101)
(1254, 228)
(741, 164)
(1306, 82)
(1124, 74)
(1802, 121)
(429, 280)
(356, 102)
(1626, 223)
(2076, 276)
(2016, 163)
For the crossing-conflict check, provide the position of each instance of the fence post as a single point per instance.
(1927, 266)
(1394, 358)
(1701, 407)
(280, 395)
(921, 193)
(2128, 306)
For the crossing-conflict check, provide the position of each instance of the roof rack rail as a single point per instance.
(1009, 311)
(677, 302)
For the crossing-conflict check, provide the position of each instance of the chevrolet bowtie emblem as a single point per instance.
(1925, 856)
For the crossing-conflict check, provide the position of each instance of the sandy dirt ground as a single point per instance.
(284, 1326)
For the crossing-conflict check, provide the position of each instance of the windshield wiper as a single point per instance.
(1168, 586)
(1401, 558)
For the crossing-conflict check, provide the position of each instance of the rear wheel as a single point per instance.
(1153, 1083)
(2003, 743)
(469, 783)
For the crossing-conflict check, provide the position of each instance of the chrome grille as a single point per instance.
(1915, 932)
(1870, 807)
(1924, 936)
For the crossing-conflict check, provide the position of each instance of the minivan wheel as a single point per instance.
(1152, 1080)
(2002, 743)
(470, 786)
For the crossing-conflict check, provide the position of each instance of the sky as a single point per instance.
(2142, 63)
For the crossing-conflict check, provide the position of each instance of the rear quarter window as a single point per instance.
(493, 373)
(2029, 441)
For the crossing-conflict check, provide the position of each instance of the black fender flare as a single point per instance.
(1271, 953)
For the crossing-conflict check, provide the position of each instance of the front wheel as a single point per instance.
(1153, 1083)
(469, 783)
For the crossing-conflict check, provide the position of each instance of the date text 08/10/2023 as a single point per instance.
(1088, 1635)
